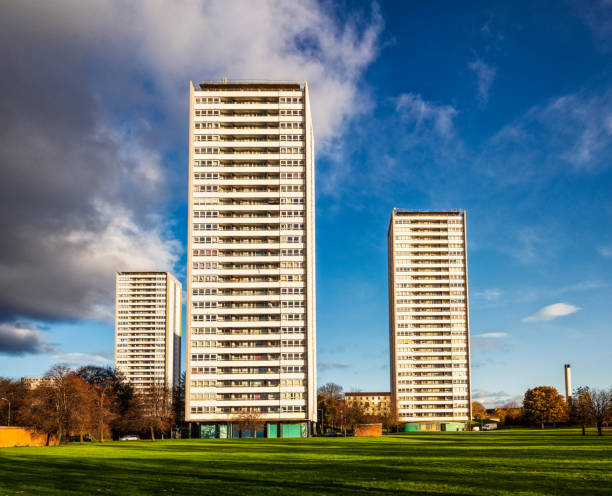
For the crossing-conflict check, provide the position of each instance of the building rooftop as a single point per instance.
(367, 394)
(226, 85)
(426, 212)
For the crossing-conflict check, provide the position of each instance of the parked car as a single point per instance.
(489, 426)
(129, 437)
(77, 439)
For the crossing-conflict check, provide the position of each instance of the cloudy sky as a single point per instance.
(501, 109)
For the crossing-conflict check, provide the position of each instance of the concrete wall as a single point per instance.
(20, 436)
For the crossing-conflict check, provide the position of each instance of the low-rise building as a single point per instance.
(372, 403)
(34, 382)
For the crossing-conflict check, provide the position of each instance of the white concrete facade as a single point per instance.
(428, 316)
(251, 261)
(148, 328)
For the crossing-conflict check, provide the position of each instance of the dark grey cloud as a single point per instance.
(21, 338)
(93, 133)
(77, 187)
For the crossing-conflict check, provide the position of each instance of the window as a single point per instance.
(204, 113)
(205, 253)
(207, 99)
(291, 188)
(287, 112)
(208, 188)
(205, 240)
(292, 239)
(206, 163)
(290, 150)
(292, 175)
(290, 99)
(205, 214)
(206, 175)
(205, 227)
(207, 125)
(207, 150)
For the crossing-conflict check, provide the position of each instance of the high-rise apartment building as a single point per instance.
(148, 328)
(251, 282)
(428, 318)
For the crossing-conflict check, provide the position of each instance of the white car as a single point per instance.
(130, 437)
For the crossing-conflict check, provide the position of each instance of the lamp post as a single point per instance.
(8, 422)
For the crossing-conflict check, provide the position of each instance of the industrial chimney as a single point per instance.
(568, 382)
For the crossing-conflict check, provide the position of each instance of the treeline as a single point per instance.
(92, 403)
(337, 413)
(543, 405)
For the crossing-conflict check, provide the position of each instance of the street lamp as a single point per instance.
(8, 422)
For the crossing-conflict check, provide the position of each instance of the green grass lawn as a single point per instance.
(483, 463)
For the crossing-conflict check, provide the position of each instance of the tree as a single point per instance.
(37, 411)
(249, 420)
(479, 412)
(154, 410)
(501, 414)
(178, 400)
(390, 417)
(102, 381)
(602, 408)
(353, 413)
(581, 408)
(543, 404)
(81, 403)
(330, 403)
(14, 392)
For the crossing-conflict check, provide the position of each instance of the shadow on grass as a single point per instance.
(445, 464)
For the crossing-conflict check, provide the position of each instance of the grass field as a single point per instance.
(484, 463)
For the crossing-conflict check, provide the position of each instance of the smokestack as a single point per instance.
(568, 382)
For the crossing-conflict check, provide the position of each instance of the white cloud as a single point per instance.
(490, 294)
(491, 335)
(90, 152)
(551, 312)
(485, 74)
(605, 251)
(192, 39)
(80, 359)
(424, 114)
(572, 132)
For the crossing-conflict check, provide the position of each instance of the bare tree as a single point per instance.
(581, 408)
(602, 408)
(102, 383)
(331, 404)
(154, 410)
(390, 416)
(249, 420)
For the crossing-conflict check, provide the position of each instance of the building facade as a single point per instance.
(372, 403)
(429, 318)
(251, 283)
(34, 382)
(148, 328)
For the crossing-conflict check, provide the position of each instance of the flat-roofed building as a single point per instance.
(34, 382)
(148, 328)
(251, 268)
(429, 318)
(372, 403)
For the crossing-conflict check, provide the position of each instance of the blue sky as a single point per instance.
(503, 109)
